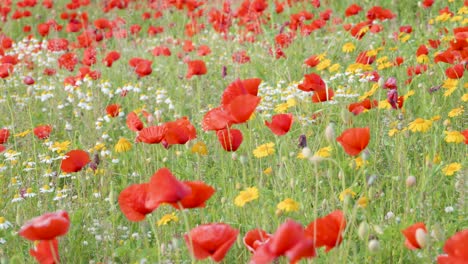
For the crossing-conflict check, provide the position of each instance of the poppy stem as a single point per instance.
(187, 227)
(54, 254)
(156, 237)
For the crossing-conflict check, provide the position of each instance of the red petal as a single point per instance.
(75, 161)
(165, 188)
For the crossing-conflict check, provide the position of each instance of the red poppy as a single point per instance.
(455, 72)
(201, 192)
(242, 107)
(359, 107)
(411, 240)
(133, 122)
(280, 124)
(422, 50)
(362, 58)
(165, 188)
(240, 87)
(110, 58)
(4, 134)
(42, 132)
(28, 80)
(134, 202)
(327, 231)
(240, 57)
(196, 67)
(289, 240)
(46, 227)
(312, 61)
(427, 3)
(152, 134)
(161, 51)
(179, 132)
(68, 61)
(143, 68)
(6, 69)
(230, 139)
(46, 252)
(354, 140)
(2, 148)
(455, 249)
(255, 238)
(312, 82)
(322, 95)
(211, 240)
(379, 13)
(59, 44)
(75, 161)
(465, 134)
(113, 110)
(352, 10)
(216, 119)
(203, 50)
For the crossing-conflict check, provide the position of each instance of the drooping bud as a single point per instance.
(374, 245)
(330, 132)
(363, 230)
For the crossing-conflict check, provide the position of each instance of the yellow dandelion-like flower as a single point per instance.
(422, 59)
(404, 37)
(246, 196)
(300, 155)
(99, 147)
(393, 132)
(323, 64)
(268, 171)
(456, 19)
(382, 60)
(321, 56)
(291, 102)
(456, 111)
(348, 47)
(464, 98)
(324, 152)
(363, 202)
(334, 68)
(123, 145)
(281, 108)
(384, 104)
(200, 148)
(264, 150)
(167, 218)
(385, 65)
(409, 94)
(463, 10)
(288, 205)
(358, 66)
(450, 169)
(373, 52)
(60, 146)
(23, 134)
(347, 192)
(443, 17)
(449, 91)
(420, 125)
(358, 163)
(454, 137)
(450, 84)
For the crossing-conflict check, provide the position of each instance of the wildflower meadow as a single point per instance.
(233, 131)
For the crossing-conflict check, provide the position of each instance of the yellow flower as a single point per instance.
(456, 112)
(450, 169)
(358, 66)
(450, 84)
(200, 148)
(363, 202)
(323, 64)
(392, 132)
(358, 163)
(404, 37)
(324, 152)
(246, 196)
(443, 17)
(348, 47)
(23, 134)
(384, 104)
(347, 192)
(464, 98)
(264, 150)
(422, 59)
(281, 108)
(454, 137)
(167, 218)
(291, 102)
(300, 155)
(435, 118)
(123, 145)
(60, 146)
(288, 205)
(335, 67)
(268, 171)
(420, 125)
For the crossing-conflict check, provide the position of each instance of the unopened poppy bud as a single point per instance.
(330, 133)
(421, 237)
(381, 82)
(374, 245)
(306, 152)
(363, 230)
(410, 181)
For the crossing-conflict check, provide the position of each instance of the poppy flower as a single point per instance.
(28, 80)
(280, 124)
(359, 107)
(312, 61)
(354, 140)
(196, 67)
(455, 72)
(42, 132)
(322, 95)
(133, 122)
(352, 10)
(68, 61)
(230, 139)
(242, 107)
(46, 251)
(179, 132)
(6, 69)
(110, 58)
(327, 231)
(216, 119)
(255, 238)
(165, 188)
(46, 227)
(203, 50)
(4, 134)
(152, 134)
(134, 202)
(143, 68)
(75, 161)
(240, 87)
(161, 51)
(211, 240)
(113, 110)
(455, 249)
(240, 57)
(201, 192)
(2, 148)
(412, 235)
(465, 134)
(312, 82)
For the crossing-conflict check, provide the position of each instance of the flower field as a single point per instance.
(254, 131)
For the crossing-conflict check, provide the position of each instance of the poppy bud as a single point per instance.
(306, 152)
(374, 245)
(363, 230)
(410, 181)
(421, 237)
(381, 82)
(330, 132)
